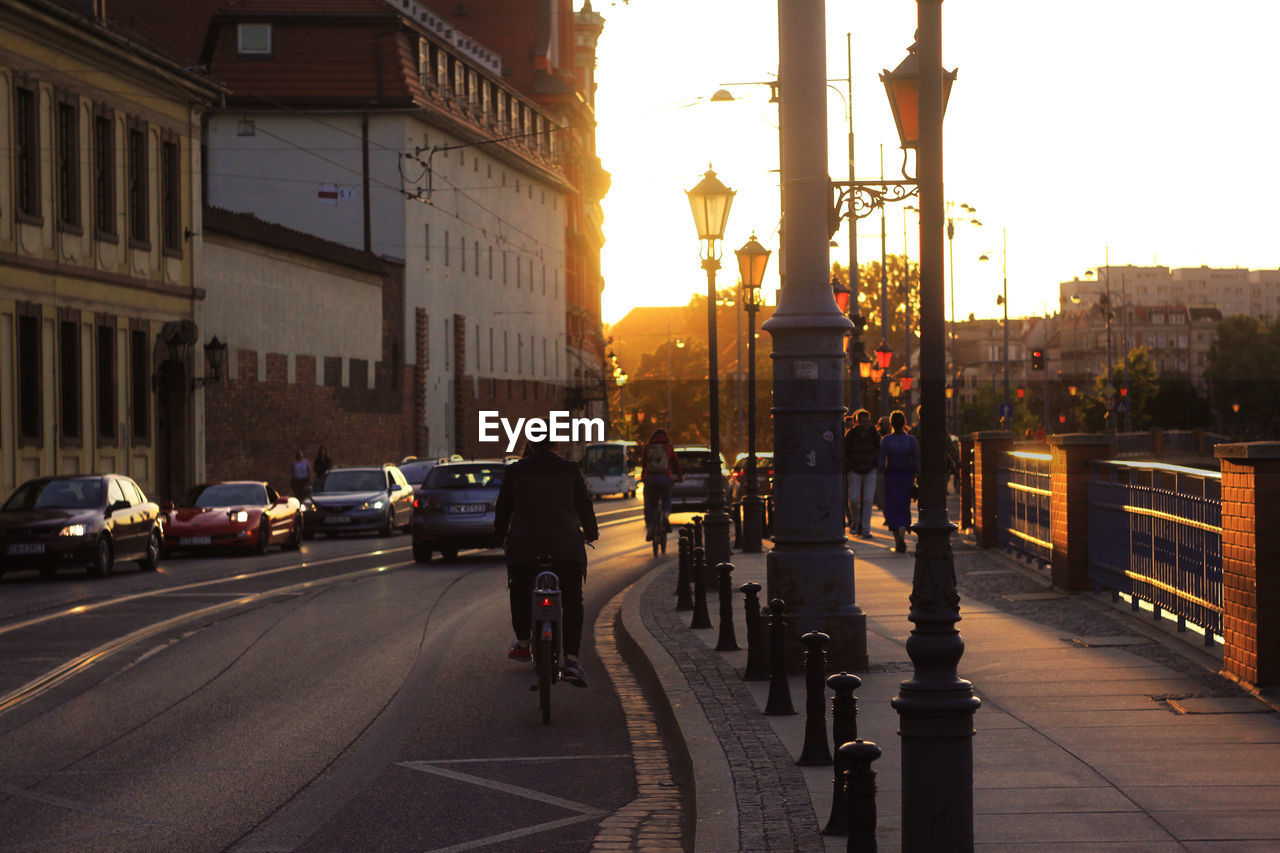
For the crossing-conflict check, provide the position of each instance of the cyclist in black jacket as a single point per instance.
(545, 515)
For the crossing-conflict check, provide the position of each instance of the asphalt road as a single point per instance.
(343, 698)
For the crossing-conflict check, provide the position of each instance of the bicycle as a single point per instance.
(547, 640)
(656, 521)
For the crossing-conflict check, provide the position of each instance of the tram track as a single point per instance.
(101, 649)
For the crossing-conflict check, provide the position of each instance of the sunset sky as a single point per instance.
(1138, 126)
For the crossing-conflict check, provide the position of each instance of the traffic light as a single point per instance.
(1037, 359)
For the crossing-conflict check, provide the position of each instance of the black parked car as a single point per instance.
(71, 521)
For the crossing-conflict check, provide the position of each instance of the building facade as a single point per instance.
(101, 338)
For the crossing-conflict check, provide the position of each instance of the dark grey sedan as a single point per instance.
(354, 500)
(454, 509)
(79, 521)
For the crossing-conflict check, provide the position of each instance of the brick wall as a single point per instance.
(253, 426)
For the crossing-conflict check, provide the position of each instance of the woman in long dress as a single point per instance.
(899, 465)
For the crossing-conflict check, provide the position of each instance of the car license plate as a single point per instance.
(338, 519)
(26, 548)
(458, 509)
(193, 540)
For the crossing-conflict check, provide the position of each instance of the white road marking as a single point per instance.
(515, 833)
(73, 806)
(524, 758)
(527, 793)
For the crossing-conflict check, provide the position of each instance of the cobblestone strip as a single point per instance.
(651, 822)
(775, 811)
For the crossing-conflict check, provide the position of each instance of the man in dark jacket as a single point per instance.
(544, 512)
(861, 453)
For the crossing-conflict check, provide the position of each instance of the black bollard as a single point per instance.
(737, 524)
(844, 729)
(779, 704)
(860, 791)
(697, 531)
(684, 596)
(728, 641)
(757, 652)
(701, 619)
(815, 751)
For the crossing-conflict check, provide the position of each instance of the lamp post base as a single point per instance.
(816, 582)
(717, 524)
(936, 707)
(752, 524)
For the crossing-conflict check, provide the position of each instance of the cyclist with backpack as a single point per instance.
(661, 468)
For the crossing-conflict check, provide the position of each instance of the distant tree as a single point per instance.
(900, 273)
(1244, 369)
(1144, 381)
(1178, 405)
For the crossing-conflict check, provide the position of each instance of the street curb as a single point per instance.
(698, 760)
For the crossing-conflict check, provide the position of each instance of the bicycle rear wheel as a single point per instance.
(546, 664)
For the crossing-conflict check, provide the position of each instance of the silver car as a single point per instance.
(454, 509)
(350, 500)
(696, 465)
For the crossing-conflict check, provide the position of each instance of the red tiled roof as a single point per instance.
(319, 63)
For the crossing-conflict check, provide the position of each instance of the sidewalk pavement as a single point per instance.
(1098, 731)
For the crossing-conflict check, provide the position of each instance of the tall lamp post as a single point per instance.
(1003, 300)
(710, 201)
(935, 707)
(951, 258)
(810, 566)
(752, 260)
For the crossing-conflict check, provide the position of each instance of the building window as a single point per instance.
(104, 177)
(139, 232)
(69, 379)
(426, 242)
(106, 375)
(170, 197)
(476, 253)
(446, 248)
(462, 252)
(27, 155)
(140, 384)
(253, 39)
(68, 166)
(30, 418)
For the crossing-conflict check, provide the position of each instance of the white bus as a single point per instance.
(609, 468)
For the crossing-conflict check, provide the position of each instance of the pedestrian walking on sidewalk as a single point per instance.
(899, 465)
(861, 456)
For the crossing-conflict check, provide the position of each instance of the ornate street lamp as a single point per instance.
(935, 706)
(752, 260)
(710, 201)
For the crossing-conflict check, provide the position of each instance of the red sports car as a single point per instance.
(241, 514)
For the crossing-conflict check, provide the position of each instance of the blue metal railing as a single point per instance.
(1155, 534)
(1022, 505)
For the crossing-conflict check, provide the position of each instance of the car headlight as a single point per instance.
(308, 505)
(378, 504)
(240, 516)
(72, 530)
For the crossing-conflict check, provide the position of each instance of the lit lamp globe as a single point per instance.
(752, 260)
(710, 201)
(902, 86)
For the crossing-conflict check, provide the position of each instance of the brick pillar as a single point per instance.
(1251, 561)
(1069, 473)
(987, 447)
